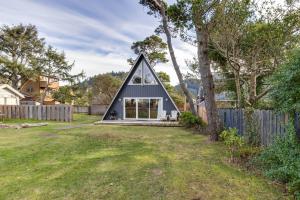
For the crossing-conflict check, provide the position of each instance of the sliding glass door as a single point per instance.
(142, 108)
(130, 108)
(153, 108)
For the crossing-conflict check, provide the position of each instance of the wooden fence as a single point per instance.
(81, 109)
(94, 109)
(98, 109)
(47, 112)
(268, 124)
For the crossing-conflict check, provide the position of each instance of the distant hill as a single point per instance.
(192, 85)
(89, 81)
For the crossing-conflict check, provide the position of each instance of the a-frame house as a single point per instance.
(142, 96)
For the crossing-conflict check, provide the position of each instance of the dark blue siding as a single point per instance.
(141, 91)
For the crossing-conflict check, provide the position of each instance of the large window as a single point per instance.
(142, 108)
(143, 75)
(130, 108)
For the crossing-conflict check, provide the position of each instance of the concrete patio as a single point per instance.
(139, 123)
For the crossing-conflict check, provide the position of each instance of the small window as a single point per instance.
(30, 89)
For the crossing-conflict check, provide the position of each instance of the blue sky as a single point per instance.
(96, 34)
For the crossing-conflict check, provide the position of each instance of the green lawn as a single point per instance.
(79, 160)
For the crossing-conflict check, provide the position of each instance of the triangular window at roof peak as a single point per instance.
(143, 75)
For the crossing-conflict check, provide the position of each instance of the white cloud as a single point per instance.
(93, 63)
(95, 45)
(55, 20)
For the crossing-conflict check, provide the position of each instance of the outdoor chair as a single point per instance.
(163, 116)
(174, 115)
(113, 115)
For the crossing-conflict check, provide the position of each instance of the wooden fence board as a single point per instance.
(52, 115)
(47, 113)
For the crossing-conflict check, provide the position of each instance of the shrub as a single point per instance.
(251, 135)
(285, 83)
(189, 120)
(233, 142)
(247, 152)
(281, 161)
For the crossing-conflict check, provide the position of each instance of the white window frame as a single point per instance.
(142, 80)
(136, 108)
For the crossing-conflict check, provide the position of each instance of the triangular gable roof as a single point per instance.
(6, 86)
(131, 71)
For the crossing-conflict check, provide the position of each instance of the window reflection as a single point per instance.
(143, 75)
(130, 108)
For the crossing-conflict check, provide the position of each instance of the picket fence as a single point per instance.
(268, 124)
(45, 112)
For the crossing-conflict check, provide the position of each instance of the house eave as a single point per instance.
(16, 92)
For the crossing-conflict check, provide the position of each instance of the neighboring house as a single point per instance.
(142, 96)
(9, 95)
(224, 99)
(33, 90)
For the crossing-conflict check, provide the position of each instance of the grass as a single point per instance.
(79, 160)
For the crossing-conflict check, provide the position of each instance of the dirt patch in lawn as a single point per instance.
(71, 127)
(157, 172)
(197, 198)
(104, 136)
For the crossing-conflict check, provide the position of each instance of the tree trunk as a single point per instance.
(14, 81)
(252, 89)
(238, 88)
(174, 61)
(43, 96)
(14, 84)
(208, 83)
